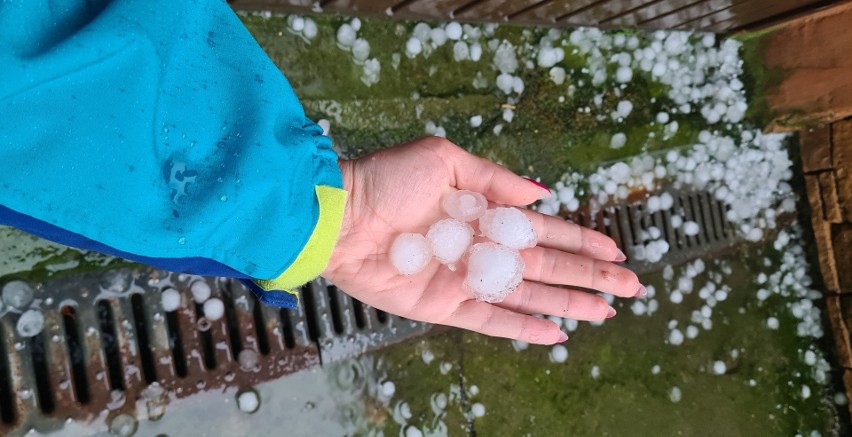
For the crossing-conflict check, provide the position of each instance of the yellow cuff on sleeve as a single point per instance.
(314, 257)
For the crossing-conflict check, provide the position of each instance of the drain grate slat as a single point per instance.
(41, 370)
(260, 326)
(79, 381)
(109, 342)
(135, 335)
(8, 402)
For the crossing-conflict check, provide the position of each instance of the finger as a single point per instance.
(492, 320)
(537, 298)
(556, 233)
(552, 266)
(497, 183)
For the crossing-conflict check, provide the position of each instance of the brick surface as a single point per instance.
(841, 242)
(827, 264)
(831, 208)
(841, 138)
(815, 143)
(840, 326)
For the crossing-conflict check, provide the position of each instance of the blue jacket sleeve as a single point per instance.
(155, 130)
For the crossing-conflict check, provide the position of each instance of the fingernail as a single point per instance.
(620, 257)
(546, 191)
(642, 291)
(562, 337)
(611, 313)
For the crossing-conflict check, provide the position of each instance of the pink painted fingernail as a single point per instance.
(642, 291)
(611, 313)
(562, 337)
(620, 257)
(546, 191)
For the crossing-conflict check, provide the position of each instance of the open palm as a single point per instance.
(400, 190)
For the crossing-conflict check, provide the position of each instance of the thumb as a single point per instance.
(496, 182)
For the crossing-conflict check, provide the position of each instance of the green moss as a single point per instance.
(758, 79)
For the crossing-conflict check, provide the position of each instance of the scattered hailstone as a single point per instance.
(200, 291)
(30, 323)
(449, 239)
(170, 299)
(772, 323)
(623, 74)
(360, 51)
(477, 409)
(310, 31)
(464, 205)
(427, 356)
(410, 253)
(509, 227)
(675, 394)
(690, 228)
(618, 141)
(388, 389)
(476, 121)
(214, 309)
(461, 51)
(558, 353)
(557, 75)
(413, 47)
(493, 271)
(17, 294)
(453, 30)
(719, 367)
(248, 401)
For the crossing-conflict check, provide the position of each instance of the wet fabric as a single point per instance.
(158, 131)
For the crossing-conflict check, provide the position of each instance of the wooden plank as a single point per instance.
(808, 68)
(497, 10)
(841, 157)
(553, 11)
(749, 12)
(608, 12)
(430, 9)
(841, 241)
(658, 11)
(839, 314)
(830, 202)
(825, 254)
(815, 144)
(356, 7)
(814, 196)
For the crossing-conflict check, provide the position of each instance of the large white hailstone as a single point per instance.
(493, 271)
(461, 51)
(30, 323)
(356, 23)
(654, 204)
(475, 52)
(675, 337)
(410, 253)
(505, 58)
(449, 239)
(623, 74)
(214, 309)
(360, 50)
(666, 201)
(517, 84)
(297, 24)
(388, 388)
(690, 228)
(346, 36)
(170, 299)
(413, 47)
(548, 56)
(557, 75)
(438, 36)
(719, 367)
(200, 291)
(675, 394)
(422, 31)
(453, 30)
(662, 117)
(624, 108)
(558, 353)
(509, 227)
(248, 401)
(464, 205)
(618, 141)
(477, 409)
(17, 294)
(310, 31)
(504, 82)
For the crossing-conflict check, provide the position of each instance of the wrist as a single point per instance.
(348, 176)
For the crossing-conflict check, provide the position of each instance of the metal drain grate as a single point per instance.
(107, 345)
(107, 342)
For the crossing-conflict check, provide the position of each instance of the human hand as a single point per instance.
(400, 190)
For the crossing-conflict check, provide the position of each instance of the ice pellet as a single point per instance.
(509, 227)
(493, 271)
(214, 309)
(388, 388)
(30, 323)
(690, 228)
(558, 353)
(464, 205)
(248, 401)
(170, 299)
(200, 291)
(449, 239)
(360, 50)
(17, 294)
(248, 360)
(719, 367)
(618, 141)
(453, 30)
(413, 47)
(410, 253)
(477, 409)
